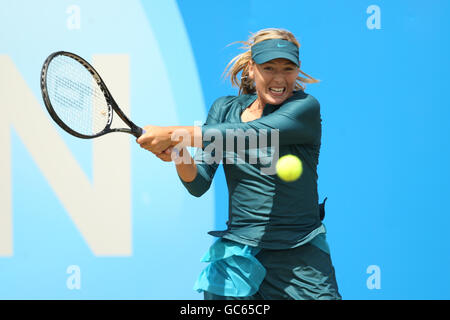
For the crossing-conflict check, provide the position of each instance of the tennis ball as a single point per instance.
(289, 168)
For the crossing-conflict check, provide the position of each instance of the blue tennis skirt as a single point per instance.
(238, 271)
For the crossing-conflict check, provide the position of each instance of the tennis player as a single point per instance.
(275, 244)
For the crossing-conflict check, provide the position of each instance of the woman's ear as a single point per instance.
(251, 69)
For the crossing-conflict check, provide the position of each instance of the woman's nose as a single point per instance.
(278, 77)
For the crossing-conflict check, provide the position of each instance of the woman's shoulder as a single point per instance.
(227, 101)
(304, 99)
(222, 105)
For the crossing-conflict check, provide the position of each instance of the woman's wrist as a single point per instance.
(187, 136)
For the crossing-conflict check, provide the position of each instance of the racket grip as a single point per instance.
(137, 132)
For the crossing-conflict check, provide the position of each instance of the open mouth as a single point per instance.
(277, 91)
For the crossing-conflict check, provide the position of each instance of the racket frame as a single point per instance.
(111, 103)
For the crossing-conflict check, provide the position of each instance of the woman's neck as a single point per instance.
(257, 106)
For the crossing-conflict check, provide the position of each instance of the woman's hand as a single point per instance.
(156, 140)
(166, 155)
(172, 154)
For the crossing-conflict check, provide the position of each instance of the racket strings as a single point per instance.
(76, 97)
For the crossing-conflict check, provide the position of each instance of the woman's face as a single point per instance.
(274, 80)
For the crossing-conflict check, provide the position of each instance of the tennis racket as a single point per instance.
(77, 98)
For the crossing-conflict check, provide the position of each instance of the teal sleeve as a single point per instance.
(297, 121)
(206, 168)
(203, 179)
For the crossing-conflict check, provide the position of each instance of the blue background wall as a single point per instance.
(384, 158)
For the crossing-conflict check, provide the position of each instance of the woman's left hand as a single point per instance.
(166, 155)
(156, 139)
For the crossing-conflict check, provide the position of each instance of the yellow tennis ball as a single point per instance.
(289, 168)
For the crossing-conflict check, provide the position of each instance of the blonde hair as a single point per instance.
(240, 62)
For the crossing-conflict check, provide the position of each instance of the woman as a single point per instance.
(274, 246)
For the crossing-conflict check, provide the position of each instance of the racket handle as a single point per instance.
(137, 132)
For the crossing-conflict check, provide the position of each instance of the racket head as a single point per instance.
(75, 95)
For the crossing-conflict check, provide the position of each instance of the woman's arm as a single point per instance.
(196, 174)
(158, 139)
(298, 122)
(186, 169)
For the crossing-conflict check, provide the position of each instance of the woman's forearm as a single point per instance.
(190, 136)
(158, 139)
(186, 167)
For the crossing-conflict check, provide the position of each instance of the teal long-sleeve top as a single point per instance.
(264, 211)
